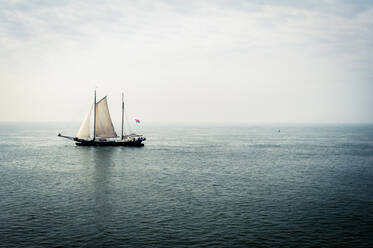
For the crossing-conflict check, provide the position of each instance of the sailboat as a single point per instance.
(103, 129)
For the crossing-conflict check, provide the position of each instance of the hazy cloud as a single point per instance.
(308, 61)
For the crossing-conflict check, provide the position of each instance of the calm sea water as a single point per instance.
(190, 186)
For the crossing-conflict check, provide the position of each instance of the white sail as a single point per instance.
(84, 132)
(104, 125)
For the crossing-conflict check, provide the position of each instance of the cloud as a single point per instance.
(247, 53)
(204, 23)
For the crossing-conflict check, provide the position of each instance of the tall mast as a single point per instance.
(94, 118)
(122, 114)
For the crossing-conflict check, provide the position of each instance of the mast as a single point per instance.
(94, 118)
(121, 137)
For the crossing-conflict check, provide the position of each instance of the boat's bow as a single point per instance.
(66, 137)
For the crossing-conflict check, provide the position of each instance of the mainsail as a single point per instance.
(104, 125)
(84, 132)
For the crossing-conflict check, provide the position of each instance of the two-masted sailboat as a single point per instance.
(103, 129)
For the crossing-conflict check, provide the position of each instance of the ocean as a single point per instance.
(189, 186)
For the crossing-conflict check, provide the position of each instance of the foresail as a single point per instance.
(84, 131)
(104, 125)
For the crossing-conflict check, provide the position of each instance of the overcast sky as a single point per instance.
(188, 61)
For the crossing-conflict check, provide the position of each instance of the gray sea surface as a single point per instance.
(189, 186)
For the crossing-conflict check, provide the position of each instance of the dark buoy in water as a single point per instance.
(279, 131)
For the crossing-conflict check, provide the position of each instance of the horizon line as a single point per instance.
(200, 122)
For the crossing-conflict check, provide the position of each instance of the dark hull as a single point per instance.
(137, 143)
(132, 140)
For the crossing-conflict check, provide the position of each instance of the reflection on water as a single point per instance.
(99, 161)
(102, 183)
